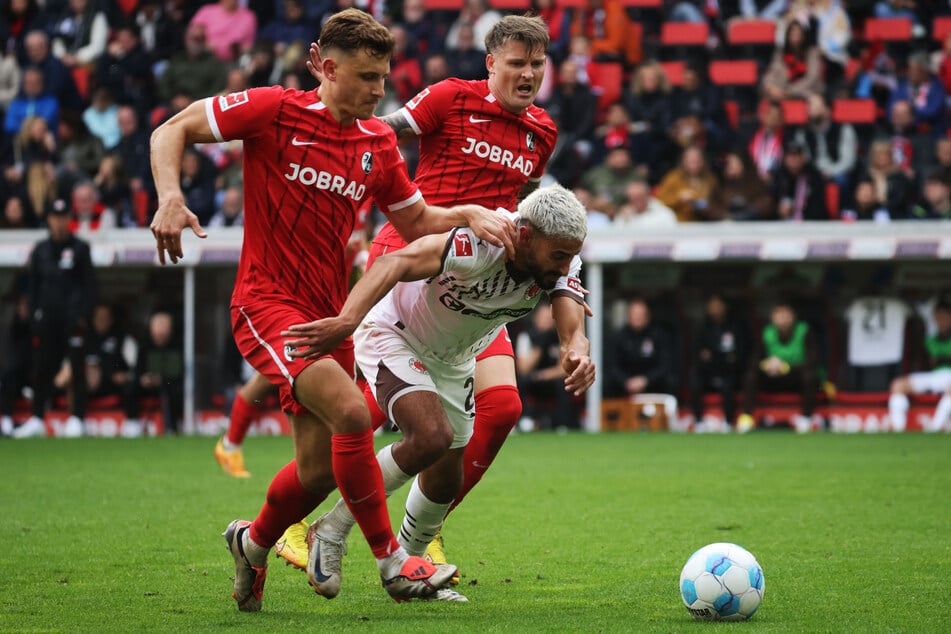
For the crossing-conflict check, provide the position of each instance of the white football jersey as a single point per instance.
(456, 314)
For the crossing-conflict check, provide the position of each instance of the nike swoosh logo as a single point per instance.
(472, 119)
(363, 499)
(478, 465)
(294, 141)
(318, 573)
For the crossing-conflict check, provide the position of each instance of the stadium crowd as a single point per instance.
(659, 121)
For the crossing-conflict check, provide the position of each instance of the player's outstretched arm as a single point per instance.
(416, 261)
(421, 219)
(167, 146)
(573, 344)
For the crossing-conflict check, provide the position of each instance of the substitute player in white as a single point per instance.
(419, 317)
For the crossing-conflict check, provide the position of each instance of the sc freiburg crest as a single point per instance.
(530, 141)
(367, 162)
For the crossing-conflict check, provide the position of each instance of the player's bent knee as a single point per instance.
(499, 406)
(350, 417)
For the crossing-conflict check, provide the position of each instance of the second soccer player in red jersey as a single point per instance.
(310, 159)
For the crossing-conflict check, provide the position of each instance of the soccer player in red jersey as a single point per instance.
(481, 142)
(310, 158)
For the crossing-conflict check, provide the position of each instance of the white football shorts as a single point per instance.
(937, 381)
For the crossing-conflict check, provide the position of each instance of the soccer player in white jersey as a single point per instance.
(419, 317)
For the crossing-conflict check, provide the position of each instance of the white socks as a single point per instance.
(421, 522)
(941, 413)
(339, 520)
(898, 411)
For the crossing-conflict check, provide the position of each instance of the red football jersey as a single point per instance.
(305, 177)
(472, 150)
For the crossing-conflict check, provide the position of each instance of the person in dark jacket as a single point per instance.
(62, 289)
(798, 188)
(639, 358)
(718, 358)
(17, 363)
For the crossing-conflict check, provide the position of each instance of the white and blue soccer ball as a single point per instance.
(722, 582)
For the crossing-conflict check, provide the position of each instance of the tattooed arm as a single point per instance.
(404, 132)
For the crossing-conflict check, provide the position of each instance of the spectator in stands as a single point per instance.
(558, 19)
(614, 131)
(689, 188)
(231, 211)
(894, 190)
(541, 379)
(435, 69)
(16, 368)
(88, 212)
(57, 79)
(795, 71)
(17, 215)
(798, 187)
(198, 184)
(133, 148)
(760, 9)
(31, 169)
(640, 357)
(830, 146)
(477, 14)
(896, 9)
(125, 68)
(161, 36)
(230, 28)
(16, 20)
(719, 356)
(595, 217)
(878, 74)
(80, 33)
(102, 117)
(833, 34)
(699, 116)
(935, 379)
(865, 205)
(32, 100)
(10, 78)
(291, 28)
(263, 67)
(427, 32)
(936, 203)
(784, 359)
(942, 154)
(913, 150)
(160, 370)
(651, 112)
(466, 60)
(941, 64)
(406, 73)
(642, 210)
(608, 182)
(742, 194)
(114, 190)
(611, 34)
(926, 94)
(80, 152)
(194, 70)
(112, 355)
(62, 290)
(766, 146)
(573, 108)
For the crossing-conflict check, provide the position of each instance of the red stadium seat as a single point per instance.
(832, 199)
(511, 5)
(941, 28)
(643, 4)
(732, 112)
(794, 112)
(674, 72)
(607, 81)
(684, 33)
(751, 32)
(443, 5)
(861, 111)
(888, 29)
(571, 4)
(733, 72)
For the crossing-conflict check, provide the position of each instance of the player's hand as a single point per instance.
(170, 220)
(317, 338)
(313, 64)
(580, 371)
(492, 227)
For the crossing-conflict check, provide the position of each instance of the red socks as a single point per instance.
(242, 413)
(361, 485)
(377, 416)
(287, 502)
(497, 410)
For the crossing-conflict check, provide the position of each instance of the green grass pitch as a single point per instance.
(567, 533)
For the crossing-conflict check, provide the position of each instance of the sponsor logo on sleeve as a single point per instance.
(235, 99)
(574, 284)
(462, 245)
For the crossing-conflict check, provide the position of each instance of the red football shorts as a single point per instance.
(257, 332)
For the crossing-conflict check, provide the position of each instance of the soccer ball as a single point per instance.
(722, 582)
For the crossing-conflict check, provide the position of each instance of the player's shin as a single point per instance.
(422, 520)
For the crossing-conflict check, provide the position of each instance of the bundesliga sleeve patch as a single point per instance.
(462, 245)
(235, 99)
